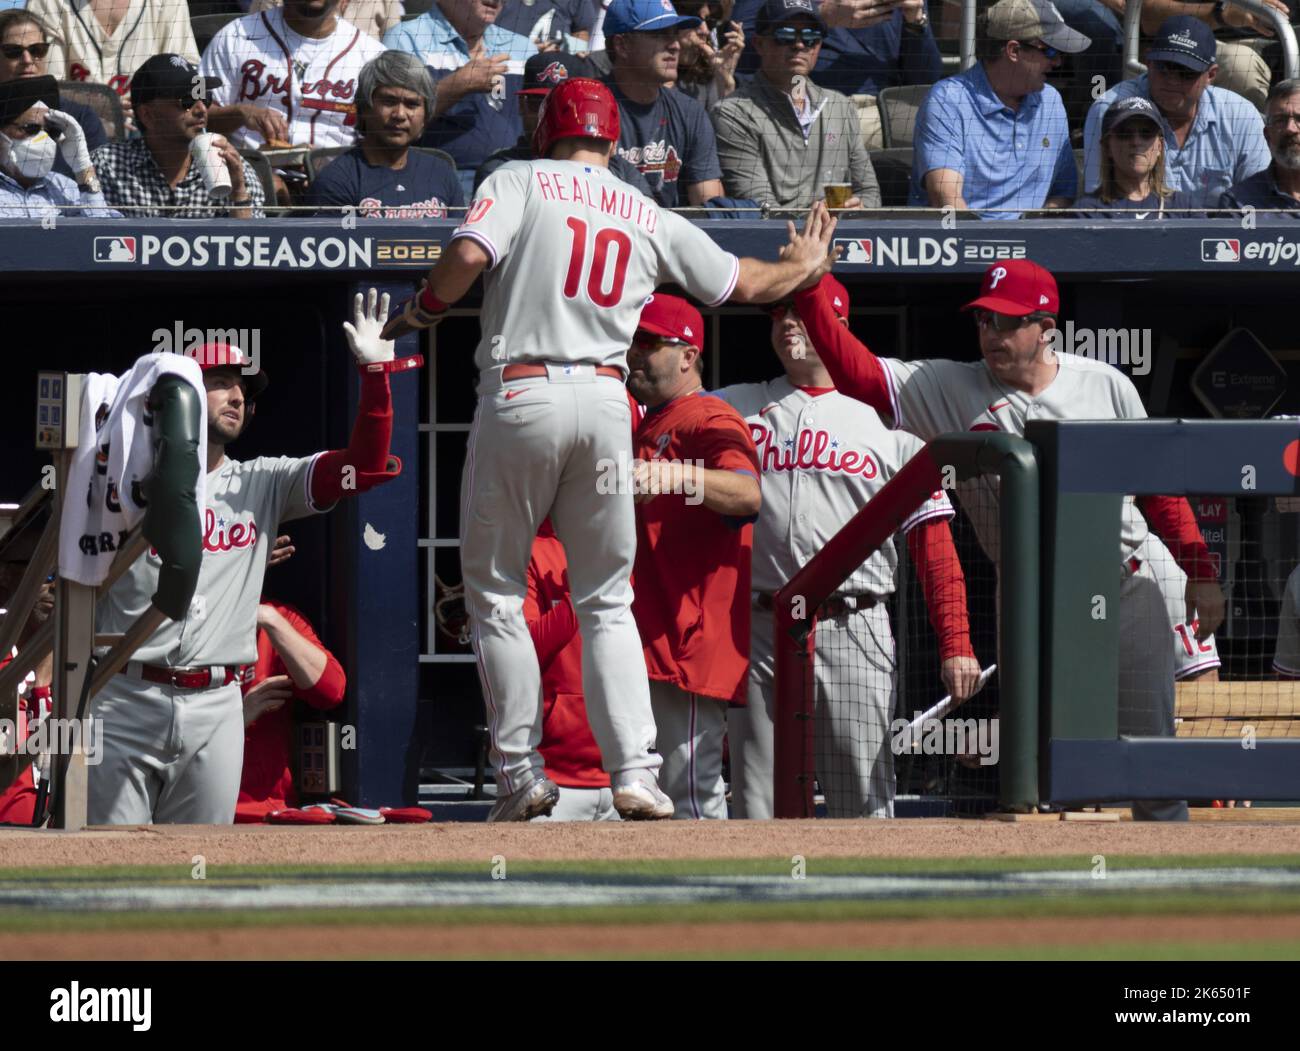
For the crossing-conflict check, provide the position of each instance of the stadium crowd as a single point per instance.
(228, 109)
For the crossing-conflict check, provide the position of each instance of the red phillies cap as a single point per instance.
(838, 296)
(228, 356)
(673, 318)
(1017, 287)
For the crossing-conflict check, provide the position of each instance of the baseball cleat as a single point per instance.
(639, 801)
(532, 801)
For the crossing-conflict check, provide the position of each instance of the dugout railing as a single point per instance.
(943, 463)
(1087, 468)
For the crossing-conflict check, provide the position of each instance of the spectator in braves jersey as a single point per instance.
(382, 177)
(375, 17)
(105, 41)
(24, 50)
(1020, 378)
(568, 747)
(173, 725)
(476, 65)
(289, 76)
(292, 664)
(665, 134)
(823, 456)
(541, 73)
(155, 174)
(696, 480)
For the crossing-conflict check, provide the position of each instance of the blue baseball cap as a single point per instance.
(776, 12)
(644, 16)
(1185, 41)
(1131, 108)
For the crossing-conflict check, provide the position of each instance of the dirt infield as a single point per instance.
(505, 941)
(457, 842)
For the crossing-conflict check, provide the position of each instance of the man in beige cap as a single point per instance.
(995, 138)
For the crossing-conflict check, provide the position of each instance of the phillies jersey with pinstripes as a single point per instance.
(573, 254)
(823, 457)
(311, 83)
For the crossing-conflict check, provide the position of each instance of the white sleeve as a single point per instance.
(937, 505)
(1130, 403)
(689, 257)
(215, 63)
(177, 36)
(917, 390)
(495, 216)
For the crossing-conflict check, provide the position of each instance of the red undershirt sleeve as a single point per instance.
(367, 453)
(1171, 519)
(944, 584)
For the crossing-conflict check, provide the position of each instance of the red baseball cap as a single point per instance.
(1017, 287)
(673, 318)
(228, 356)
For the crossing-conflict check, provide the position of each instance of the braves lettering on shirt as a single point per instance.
(655, 159)
(823, 456)
(119, 82)
(311, 82)
(373, 208)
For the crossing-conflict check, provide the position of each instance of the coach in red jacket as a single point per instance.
(697, 486)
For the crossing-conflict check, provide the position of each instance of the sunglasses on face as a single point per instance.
(1175, 71)
(999, 322)
(649, 341)
(1136, 132)
(777, 311)
(1043, 49)
(12, 51)
(35, 128)
(807, 36)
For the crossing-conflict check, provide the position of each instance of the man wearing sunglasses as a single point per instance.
(1277, 187)
(1215, 138)
(156, 174)
(1020, 378)
(34, 132)
(24, 48)
(696, 480)
(781, 138)
(995, 138)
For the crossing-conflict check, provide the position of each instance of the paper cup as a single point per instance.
(837, 194)
(216, 176)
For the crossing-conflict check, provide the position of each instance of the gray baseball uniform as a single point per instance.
(1191, 656)
(173, 754)
(574, 252)
(934, 397)
(1286, 655)
(823, 456)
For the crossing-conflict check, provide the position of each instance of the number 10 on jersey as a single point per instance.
(597, 275)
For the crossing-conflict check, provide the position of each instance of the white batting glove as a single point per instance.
(365, 330)
(73, 144)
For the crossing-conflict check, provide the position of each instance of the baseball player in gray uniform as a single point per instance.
(570, 255)
(173, 718)
(1286, 654)
(823, 456)
(1020, 379)
(1194, 657)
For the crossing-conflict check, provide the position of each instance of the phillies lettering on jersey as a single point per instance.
(573, 252)
(823, 456)
(220, 535)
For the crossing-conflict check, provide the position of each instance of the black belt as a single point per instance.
(835, 606)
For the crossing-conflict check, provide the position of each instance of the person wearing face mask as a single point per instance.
(1133, 182)
(24, 51)
(33, 133)
(1277, 187)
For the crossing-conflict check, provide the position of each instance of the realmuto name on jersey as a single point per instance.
(809, 450)
(611, 198)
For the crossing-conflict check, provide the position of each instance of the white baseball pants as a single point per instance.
(854, 671)
(583, 804)
(543, 446)
(170, 756)
(691, 731)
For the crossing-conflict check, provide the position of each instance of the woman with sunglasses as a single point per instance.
(706, 67)
(1133, 167)
(24, 45)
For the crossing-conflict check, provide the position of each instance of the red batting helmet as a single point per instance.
(577, 108)
(228, 356)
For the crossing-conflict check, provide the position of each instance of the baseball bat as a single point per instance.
(397, 327)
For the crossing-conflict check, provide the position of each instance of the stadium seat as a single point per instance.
(103, 100)
(898, 108)
(318, 159)
(266, 177)
(207, 26)
(894, 173)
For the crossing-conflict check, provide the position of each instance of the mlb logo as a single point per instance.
(1220, 250)
(856, 249)
(114, 250)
